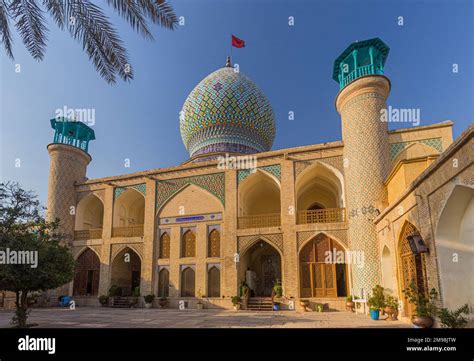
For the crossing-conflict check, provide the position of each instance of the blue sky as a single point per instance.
(291, 64)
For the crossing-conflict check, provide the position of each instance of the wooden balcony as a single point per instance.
(128, 231)
(93, 233)
(259, 221)
(326, 215)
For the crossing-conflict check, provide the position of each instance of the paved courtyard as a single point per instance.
(169, 318)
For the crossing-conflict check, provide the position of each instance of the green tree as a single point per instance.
(87, 24)
(23, 228)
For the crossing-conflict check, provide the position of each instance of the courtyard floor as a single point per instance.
(100, 317)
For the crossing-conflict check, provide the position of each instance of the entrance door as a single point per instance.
(135, 280)
(269, 272)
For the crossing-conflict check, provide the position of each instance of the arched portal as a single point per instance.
(129, 214)
(412, 266)
(260, 268)
(259, 201)
(126, 271)
(87, 273)
(323, 268)
(319, 195)
(455, 248)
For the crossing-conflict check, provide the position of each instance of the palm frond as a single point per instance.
(99, 39)
(5, 34)
(160, 12)
(30, 23)
(57, 10)
(131, 11)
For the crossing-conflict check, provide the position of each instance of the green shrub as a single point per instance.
(236, 300)
(149, 298)
(453, 319)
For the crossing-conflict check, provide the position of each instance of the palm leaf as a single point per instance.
(6, 36)
(30, 23)
(131, 11)
(160, 12)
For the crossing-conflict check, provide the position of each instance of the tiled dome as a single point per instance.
(227, 113)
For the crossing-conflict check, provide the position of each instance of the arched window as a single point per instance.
(214, 244)
(165, 245)
(188, 282)
(214, 282)
(163, 283)
(188, 244)
(318, 278)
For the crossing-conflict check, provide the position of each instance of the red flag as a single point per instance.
(237, 43)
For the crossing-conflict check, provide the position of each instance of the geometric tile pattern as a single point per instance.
(227, 112)
(272, 169)
(366, 149)
(139, 187)
(396, 148)
(117, 248)
(213, 183)
(336, 162)
(337, 235)
(245, 242)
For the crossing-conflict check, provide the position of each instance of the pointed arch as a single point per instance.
(412, 266)
(454, 240)
(259, 193)
(415, 150)
(87, 273)
(188, 281)
(213, 281)
(165, 245)
(126, 270)
(387, 270)
(163, 282)
(129, 213)
(318, 277)
(322, 184)
(188, 244)
(170, 207)
(89, 216)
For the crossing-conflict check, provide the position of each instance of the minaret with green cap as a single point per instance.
(69, 158)
(363, 92)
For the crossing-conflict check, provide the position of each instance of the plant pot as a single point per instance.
(276, 307)
(422, 321)
(237, 307)
(374, 314)
(148, 305)
(162, 303)
(199, 306)
(319, 308)
(350, 306)
(391, 312)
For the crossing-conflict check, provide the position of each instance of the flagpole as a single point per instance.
(231, 59)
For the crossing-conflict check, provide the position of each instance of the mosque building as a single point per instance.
(386, 206)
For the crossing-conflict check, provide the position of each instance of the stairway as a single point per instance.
(260, 304)
(121, 302)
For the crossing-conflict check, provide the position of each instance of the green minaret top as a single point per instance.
(361, 58)
(73, 133)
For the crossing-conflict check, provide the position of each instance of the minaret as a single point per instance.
(363, 93)
(69, 160)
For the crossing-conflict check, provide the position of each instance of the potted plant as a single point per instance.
(135, 296)
(350, 304)
(277, 295)
(163, 301)
(376, 302)
(236, 300)
(319, 307)
(391, 307)
(425, 307)
(453, 319)
(149, 300)
(104, 300)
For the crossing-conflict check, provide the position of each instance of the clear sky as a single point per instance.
(291, 64)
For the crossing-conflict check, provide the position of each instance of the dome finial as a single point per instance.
(228, 63)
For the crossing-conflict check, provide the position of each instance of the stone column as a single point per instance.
(106, 262)
(147, 281)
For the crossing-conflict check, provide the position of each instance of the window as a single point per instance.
(188, 282)
(214, 247)
(188, 244)
(165, 245)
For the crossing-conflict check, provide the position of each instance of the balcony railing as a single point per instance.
(129, 231)
(93, 233)
(360, 72)
(259, 221)
(327, 215)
